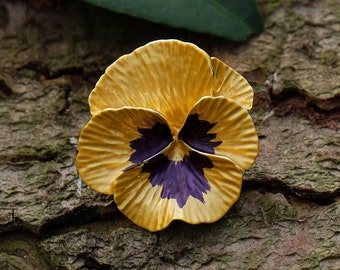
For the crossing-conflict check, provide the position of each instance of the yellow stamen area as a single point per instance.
(177, 150)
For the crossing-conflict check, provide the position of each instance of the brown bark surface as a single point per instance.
(288, 214)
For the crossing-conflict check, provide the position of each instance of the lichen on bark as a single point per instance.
(287, 217)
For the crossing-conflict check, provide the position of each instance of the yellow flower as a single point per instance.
(170, 135)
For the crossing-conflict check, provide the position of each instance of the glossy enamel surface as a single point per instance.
(170, 135)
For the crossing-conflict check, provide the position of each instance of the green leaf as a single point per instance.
(232, 19)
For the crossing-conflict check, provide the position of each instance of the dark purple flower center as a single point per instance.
(195, 133)
(179, 179)
(150, 143)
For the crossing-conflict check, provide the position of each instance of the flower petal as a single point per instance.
(180, 179)
(168, 76)
(230, 84)
(116, 139)
(195, 133)
(142, 199)
(232, 131)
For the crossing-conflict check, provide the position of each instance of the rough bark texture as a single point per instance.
(288, 215)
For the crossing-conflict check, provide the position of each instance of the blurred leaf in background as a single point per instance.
(231, 19)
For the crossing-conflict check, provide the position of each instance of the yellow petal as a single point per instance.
(236, 136)
(230, 84)
(104, 144)
(142, 203)
(168, 76)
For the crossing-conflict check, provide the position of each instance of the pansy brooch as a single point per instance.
(170, 136)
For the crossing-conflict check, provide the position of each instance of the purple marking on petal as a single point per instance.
(152, 141)
(195, 133)
(180, 179)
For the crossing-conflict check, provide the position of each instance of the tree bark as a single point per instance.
(288, 214)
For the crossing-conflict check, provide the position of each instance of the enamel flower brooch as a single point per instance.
(170, 135)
